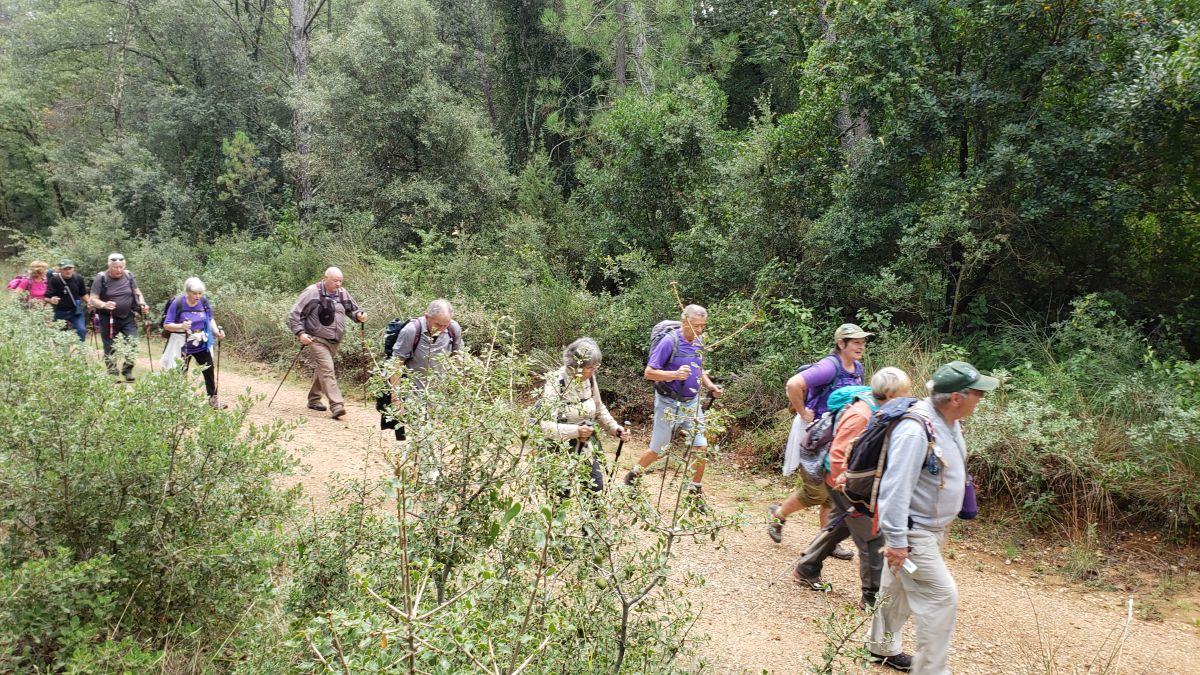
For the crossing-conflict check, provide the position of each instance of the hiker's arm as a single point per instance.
(905, 455)
(295, 318)
(603, 417)
(710, 385)
(797, 390)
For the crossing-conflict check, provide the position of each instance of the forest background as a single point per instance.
(1014, 183)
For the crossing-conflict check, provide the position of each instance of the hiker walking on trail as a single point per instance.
(318, 320)
(66, 293)
(919, 494)
(31, 285)
(422, 340)
(808, 393)
(191, 315)
(113, 295)
(676, 367)
(419, 345)
(854, 407)
(572, 397)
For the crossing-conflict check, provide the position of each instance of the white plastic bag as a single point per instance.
(795, 442)
(173, 352)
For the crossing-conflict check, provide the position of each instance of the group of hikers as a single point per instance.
(886, 470)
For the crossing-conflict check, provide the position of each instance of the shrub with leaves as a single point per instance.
(156, 516)
(485, 551)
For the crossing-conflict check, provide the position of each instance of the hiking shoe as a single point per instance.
(842, 553)
(811, 583)
(338, 411)
(901, 662)
(631, 478)
(129, 377)
(867, 602)
(775, 525)
(215, 403)
(317, 406)
(696, 501)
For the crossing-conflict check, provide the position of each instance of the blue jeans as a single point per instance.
(74, 319)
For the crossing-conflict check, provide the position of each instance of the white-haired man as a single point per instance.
(676, 367)
(318, 320)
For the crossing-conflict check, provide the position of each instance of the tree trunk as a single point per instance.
(298, 16)
(621, 44)
(851, 128)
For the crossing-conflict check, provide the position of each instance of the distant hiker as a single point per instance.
(66, 292)
(32, 284)
(191, 314)
(919, 494)
(418, 345)
(808, 392)
(572, 398)
(318, 320)
(676, 367)
(113, 295)
(853, 415)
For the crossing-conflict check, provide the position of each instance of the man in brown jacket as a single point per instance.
(318, 319)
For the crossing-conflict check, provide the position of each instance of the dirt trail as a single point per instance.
(755, 625)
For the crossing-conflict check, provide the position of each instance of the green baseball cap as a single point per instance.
(959, 375)
(66, 262)
(850, 331)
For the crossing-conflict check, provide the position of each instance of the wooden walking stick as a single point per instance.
(285, 376)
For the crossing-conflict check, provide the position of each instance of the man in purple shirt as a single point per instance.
(676, 367)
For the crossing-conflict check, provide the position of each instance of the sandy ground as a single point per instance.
(756, 619)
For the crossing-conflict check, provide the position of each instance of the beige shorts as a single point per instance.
(810, 494)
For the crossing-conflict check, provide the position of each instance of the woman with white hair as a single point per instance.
(191, 315)
(856, 405)
(572, 398)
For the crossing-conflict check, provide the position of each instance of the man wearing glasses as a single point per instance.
(114, 293)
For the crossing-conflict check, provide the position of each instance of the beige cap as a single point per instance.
(850, 331)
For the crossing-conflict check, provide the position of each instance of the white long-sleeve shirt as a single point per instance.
(572, 402)
(908, 490)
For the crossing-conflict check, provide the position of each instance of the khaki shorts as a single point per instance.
(810, 494)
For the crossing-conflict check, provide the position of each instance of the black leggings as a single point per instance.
(205, 359)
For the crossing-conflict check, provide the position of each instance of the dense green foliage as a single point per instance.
(136, 522)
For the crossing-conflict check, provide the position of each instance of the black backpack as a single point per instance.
(868, 459)
(393, 331)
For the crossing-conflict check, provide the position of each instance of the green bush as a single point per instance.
(175, 502)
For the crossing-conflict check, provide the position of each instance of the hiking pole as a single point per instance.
(217, 372)
(285, 376)
(617, 455)
(362, 325)
(149, 350)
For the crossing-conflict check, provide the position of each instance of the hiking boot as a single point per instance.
(338, 411)
(842, 553)
(811, 583)
(775, 524)
(129, 377)
(216, 404)
(695, 499)
(901, 662)
(867, 602)
(631, 478)
(317, 406)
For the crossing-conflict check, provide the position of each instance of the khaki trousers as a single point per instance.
(929, 595)
(321, 354)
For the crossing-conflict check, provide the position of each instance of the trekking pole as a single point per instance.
(366, 369)
(149, 350)
(285, 376)
(617, 456)
(217, 372)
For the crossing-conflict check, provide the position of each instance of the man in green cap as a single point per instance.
(919, 496)
(66, 293)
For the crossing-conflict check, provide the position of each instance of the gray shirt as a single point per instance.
(418, 350)
(908, 490)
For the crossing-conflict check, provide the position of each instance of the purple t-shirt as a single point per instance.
(181, 311)
(824, 378)
(685, 352)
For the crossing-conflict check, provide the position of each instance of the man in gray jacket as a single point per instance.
(318, 320)
(920, 494)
